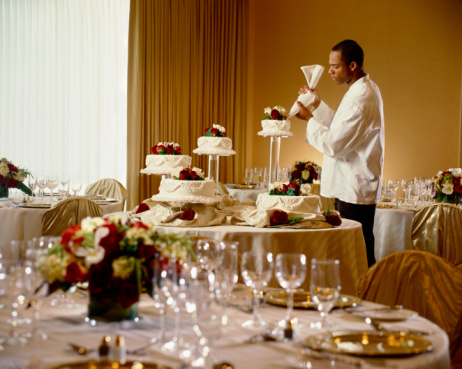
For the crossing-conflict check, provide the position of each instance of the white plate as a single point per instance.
(385, 314)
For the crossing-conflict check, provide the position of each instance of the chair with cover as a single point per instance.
(68, 212)
(437, 228)
(422, 282)
(110, 188)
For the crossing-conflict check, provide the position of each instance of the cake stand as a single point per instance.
(214, 167)
(274, 152)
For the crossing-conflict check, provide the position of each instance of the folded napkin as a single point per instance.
(312, 74)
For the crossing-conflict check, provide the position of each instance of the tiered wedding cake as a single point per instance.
(214, 142)
(275, 123)
(166, 156)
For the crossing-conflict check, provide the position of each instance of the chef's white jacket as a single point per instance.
(352, 141)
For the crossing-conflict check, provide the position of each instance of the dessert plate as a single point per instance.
(302, 299)
(385, 314)
(109, 365)
(372, 343)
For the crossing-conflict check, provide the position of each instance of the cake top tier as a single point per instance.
(215, 131)
(277, 113)
(166, 148)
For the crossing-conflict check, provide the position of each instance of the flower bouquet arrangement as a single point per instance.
(166, 148)
(289, 189)
(448, 186)
(116, 257)
(279, 217)
(12, 177)
(305, 172)
(215, 131)
(277, 113)
(188, 174)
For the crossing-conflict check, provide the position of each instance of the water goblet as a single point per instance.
(290, 272)
(209, 254)
(257, 177)
(52, 183)
(76, 183)
(393, 185)
(248, 175)
(41, 183)
(324, 287)
(256, 270)
(32, 182)
(63, 188)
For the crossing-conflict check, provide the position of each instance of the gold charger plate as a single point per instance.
(92, 364)
(384, 343)
(36, 206)
(302, 299)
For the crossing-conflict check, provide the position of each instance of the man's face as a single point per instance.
(338, 70)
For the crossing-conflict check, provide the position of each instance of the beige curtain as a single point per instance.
(185, 73)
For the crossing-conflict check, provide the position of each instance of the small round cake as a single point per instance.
(308, 204)
(165, 164)
(175, 190)
(214, 146)
(276, 128)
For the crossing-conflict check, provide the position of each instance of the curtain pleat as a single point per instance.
(185, 73)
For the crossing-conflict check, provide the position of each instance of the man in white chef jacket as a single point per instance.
(351, 139)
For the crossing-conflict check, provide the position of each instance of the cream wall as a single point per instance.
(412, 51)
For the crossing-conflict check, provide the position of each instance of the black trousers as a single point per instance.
(363, 214)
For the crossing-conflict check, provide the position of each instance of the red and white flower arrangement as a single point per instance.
(448, 186)
(277, 113)
(12, 176)
(188, 174)
(289, 189)
(215, 131)
(305, 172)
(166, 148)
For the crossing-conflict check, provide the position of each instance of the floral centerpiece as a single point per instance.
(277, 113)
(215, 131)
(166, 148)
(12, 177)
(188, 174)
(305, 172)
(448, 186)
(116, 257)
(289, 189)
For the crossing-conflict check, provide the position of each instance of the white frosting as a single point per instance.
(214, 146)
(294, 204)
(186, 191)
(275, 128)
(161, 164)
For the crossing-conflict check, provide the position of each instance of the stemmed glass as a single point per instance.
(209, 254)
(41, 183)
(257, 270)
(406, 186)
(258, 177)
(76, 183)
(63, 189)
(393, 186)
(248, 175)
(52, 183)
(324, 287)
(32, 182)
(290, 271)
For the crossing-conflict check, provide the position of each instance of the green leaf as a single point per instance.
(24, 188)
(294, 220)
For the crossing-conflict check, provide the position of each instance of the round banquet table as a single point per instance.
(345, 243)
(26, 223)
(65, 325)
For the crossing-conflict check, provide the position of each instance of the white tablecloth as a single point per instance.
(26, 223)
(64, 325)
(345, 243)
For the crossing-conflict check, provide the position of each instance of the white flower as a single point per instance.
(448, 188)
(90, 224)
(276, 186)
(176, 172)
(4, 169)
(282, 111)
(199, 171)
(94, 256)
(305, 189)
(456, 172)
(267, 110)
(222, 129)
(123, 267)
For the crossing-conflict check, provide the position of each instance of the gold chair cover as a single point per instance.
(68, 212)
(110, 188)
(437, 228)
(422, 282)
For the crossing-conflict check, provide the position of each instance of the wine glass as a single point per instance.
(76, 183)
(32, 182)
(406, 186)
(256, 269)
(226, 275)
(248, 175)
(393, 185)
(324, 287)
(290, 272)
(63, 188)
(209, 254)
(41, 183)
(257, 177)
(52, 183)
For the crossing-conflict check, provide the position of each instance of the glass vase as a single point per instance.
(3, 191)
(108, 309)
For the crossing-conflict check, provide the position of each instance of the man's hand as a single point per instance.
(304, 112)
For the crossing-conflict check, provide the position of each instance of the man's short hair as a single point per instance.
(350, 51)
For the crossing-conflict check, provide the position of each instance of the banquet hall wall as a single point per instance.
(411, 51)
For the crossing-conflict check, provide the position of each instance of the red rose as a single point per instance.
(154, 149)
(296, 174)
(12, 168)
(74, 273)
(285, 188)
(129, 294)
(333, 219)
(188, 215)
(110, 243)
(456, 181)
(314, 175)
(193, 174)
(178, 150)
(214, 131)
(142, 208)
(69, 233)
(11, 183)
(169, 150)
(274, 114)
(458, 188)
(160, 149)
(99, 277)
(279, 217)
(184, 174)
(310, 168)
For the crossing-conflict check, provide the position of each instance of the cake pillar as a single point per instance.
(274, 159)
(214, 170)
